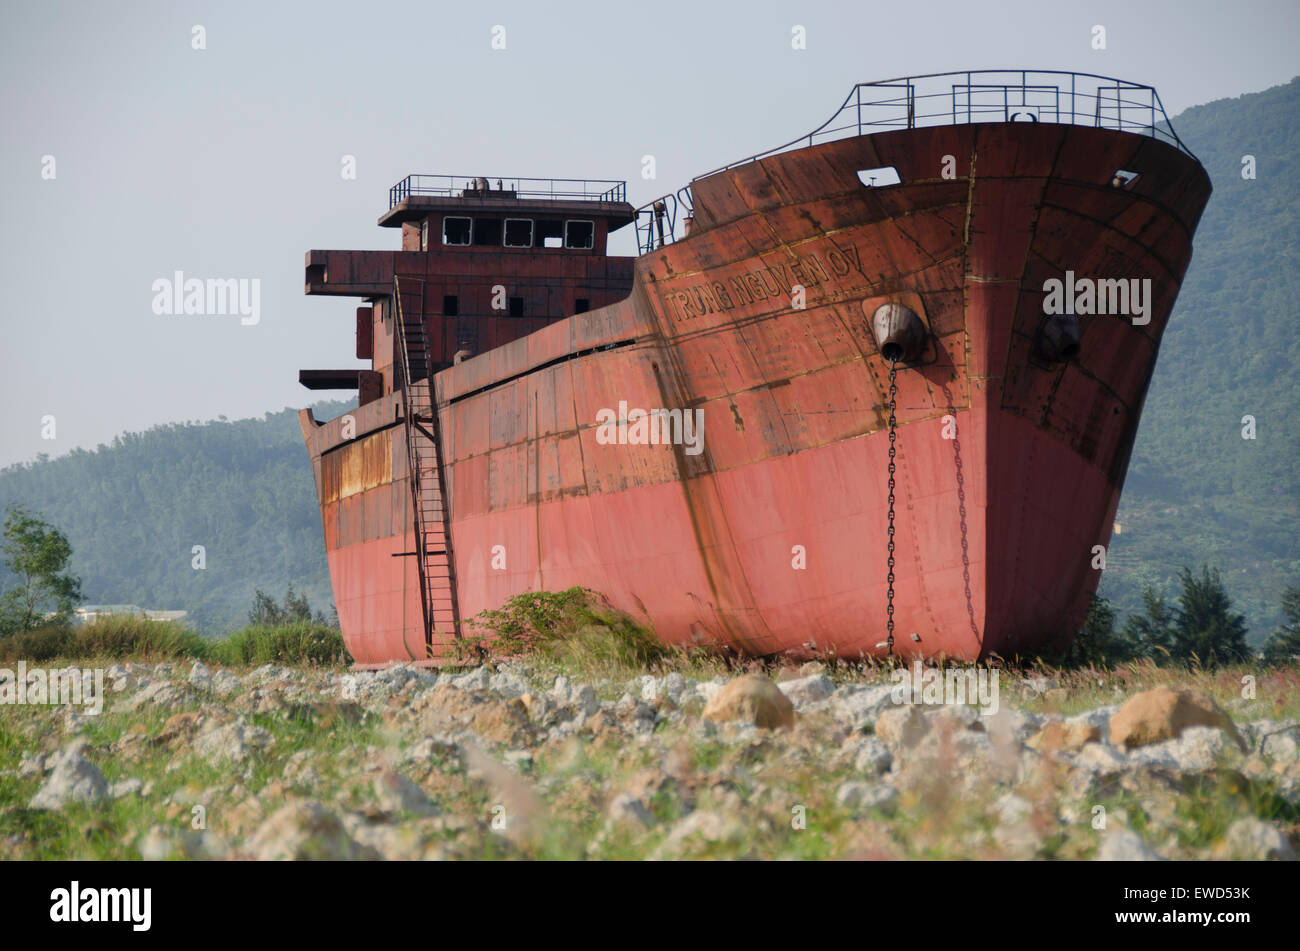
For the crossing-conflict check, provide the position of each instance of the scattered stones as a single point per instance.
(234, 742)
(751, 699)
(870, 754)
(861, 707)
(306, 831)
(1162, 714)
(902, 725)
(866, 796)
(442, 764)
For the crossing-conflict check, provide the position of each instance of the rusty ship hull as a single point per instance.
(773, 536)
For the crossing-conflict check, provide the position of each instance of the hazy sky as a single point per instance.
(225, 162)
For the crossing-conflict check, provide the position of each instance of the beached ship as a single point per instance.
(872, 391)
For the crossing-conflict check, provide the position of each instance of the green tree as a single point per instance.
(1284, 645)
(1097, 642)
(37, 553)
(1205, 626)
(266, 612)
(1151, 633)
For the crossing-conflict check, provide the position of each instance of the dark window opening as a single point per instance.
(519, 233)
(516, 307)
(581, 305)
(580, 235)
(455, 231)
(487, 232)
(450, 305)
(550, 234)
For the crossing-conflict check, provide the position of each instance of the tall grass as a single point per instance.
(117, 637)
(123, 637)
(299, 642)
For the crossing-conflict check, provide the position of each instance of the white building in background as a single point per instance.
(92, 612)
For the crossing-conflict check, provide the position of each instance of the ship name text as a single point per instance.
(762, 283)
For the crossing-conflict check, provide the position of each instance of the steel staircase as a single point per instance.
(432, 529)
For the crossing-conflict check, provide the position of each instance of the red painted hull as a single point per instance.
(773, 538)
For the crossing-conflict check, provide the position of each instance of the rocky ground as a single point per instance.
(517, 760)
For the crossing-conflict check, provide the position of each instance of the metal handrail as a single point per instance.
(457, 186)
(653, 216)
(989, 95)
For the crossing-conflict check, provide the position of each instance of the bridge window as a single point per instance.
(519, 232)
(455, 231)
(580, 235)
(550, 234)
(450, 305)
(487, 232)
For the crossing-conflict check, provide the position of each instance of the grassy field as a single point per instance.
(591, 743)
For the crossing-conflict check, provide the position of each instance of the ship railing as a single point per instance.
(664, 220)
(988, 95)
(484, 186)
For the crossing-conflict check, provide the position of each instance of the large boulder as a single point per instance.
(751, 699)
(1163, 714)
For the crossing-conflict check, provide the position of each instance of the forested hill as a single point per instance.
(134, 510)
(1196, 490)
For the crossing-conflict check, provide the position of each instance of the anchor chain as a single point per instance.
(893, 424)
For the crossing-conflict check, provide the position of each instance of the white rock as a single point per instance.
(674, 685)
(1280, 745)
(860, 707)
(125, 787)
(232, 742)
(806, 690)
(73, 779)
(507, 685)
(476, 679)
(866, 796)
(200, 675)
(1123, 845)
(870, 754)
(1253, 838)
(224, 683)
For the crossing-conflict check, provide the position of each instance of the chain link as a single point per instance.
(893, 424)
